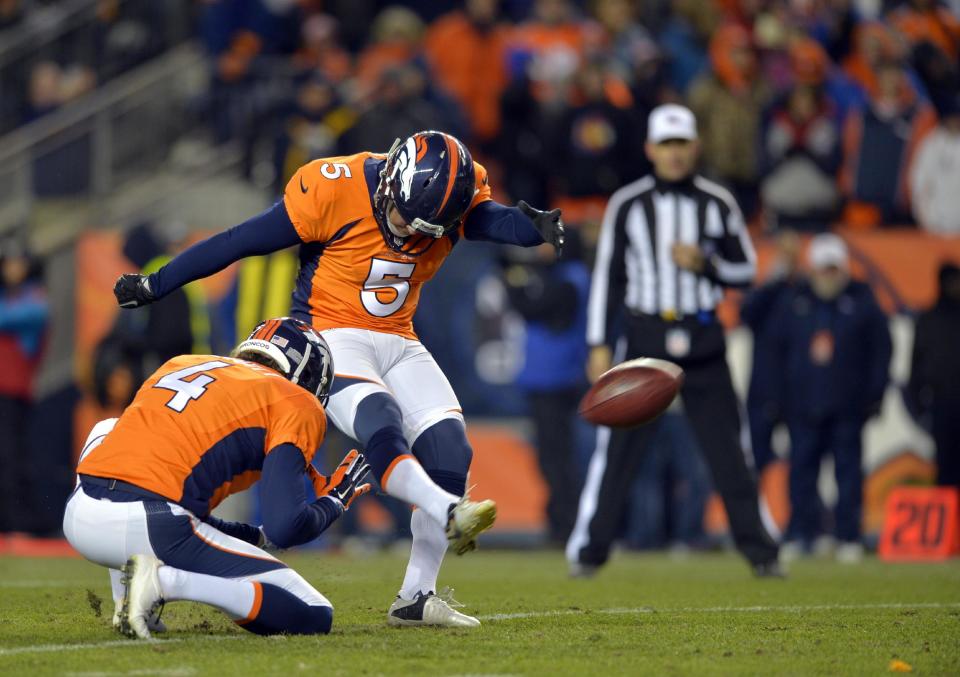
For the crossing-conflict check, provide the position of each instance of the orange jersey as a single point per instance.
(349, 276)
(200, 427)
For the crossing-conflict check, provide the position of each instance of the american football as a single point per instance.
(632, 393)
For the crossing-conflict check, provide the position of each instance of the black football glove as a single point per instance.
(344, 484)
(548, 224)
(133, 290)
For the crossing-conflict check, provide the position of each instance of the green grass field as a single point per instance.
(641, 615)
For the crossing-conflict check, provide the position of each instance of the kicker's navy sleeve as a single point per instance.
(288, 519)
(493, 222)
(267, 232)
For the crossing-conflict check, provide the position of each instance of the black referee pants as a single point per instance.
(554, 418)
(711, 405)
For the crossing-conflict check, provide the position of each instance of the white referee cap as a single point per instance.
(671, 121)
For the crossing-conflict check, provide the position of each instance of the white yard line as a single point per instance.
(722, 609)
(109, 644)
(54, 648)
(186, 671)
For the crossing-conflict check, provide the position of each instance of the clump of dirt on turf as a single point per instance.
(204, 626)
(95, 603)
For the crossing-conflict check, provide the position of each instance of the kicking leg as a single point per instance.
(378, 426)
(363, 407)
(445, 453)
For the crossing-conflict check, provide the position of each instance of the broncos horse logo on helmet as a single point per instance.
(301, 354)
(429, 178)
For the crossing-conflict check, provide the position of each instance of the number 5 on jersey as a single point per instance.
(386, 287)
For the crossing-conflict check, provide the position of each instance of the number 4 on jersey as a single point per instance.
(188, 390)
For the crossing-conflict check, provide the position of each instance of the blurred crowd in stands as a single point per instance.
(812, 112)
(52, 52)
(815, 111)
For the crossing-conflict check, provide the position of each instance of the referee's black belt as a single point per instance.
(117, 490)
(702, 317)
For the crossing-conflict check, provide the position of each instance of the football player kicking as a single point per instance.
(201, 428)
(372, 228)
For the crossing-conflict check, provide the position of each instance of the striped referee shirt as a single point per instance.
(635, 267)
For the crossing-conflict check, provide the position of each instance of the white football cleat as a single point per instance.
(581, 570)
(154, 624)
(429, 610)
(142, 596)
(468, 519)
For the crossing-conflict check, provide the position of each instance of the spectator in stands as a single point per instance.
(244, 41)
(935, 176)
(523, 144)
(177, 324)
(649, 86)
(321, 52)
(52, 86)
(11, 13)
(141, 340)
(928, 21)
(598, 142)
(873, 43)
(397, 110)
(935, 374)
(62, 170)
(551, 296)
(741, 12)
(125, 34)
(728, 102)
(635, 59)
(624, 39)
(765, 401)
(800, 147)
(396, 38)
(834, 349)
(880, 141)
(311, 130)
(23, 320)
(548, 48)
(832, 24)
(939, 75)
(466, 50)
(682, 39)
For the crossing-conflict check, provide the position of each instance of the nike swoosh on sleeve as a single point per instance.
(303, 188)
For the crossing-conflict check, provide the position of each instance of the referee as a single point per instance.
(669, 244)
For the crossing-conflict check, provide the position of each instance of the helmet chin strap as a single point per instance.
(427, 228)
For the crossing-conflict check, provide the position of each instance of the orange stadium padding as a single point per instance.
(505, 469)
